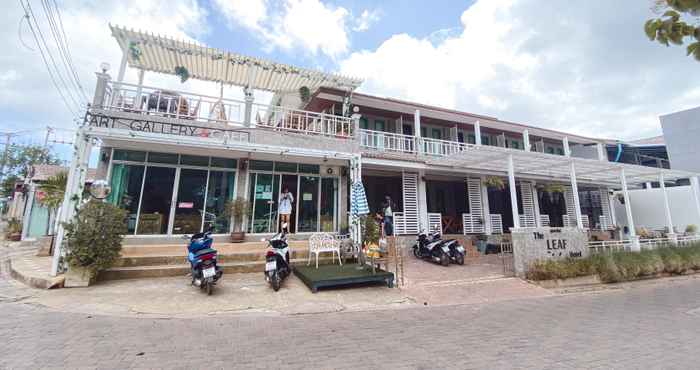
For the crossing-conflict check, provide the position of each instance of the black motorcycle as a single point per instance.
(202, 258)
(431, 248)
(277, 265)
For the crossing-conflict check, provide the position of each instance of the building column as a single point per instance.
(577, 201)
(667, 209)
(602, 155)
(139, 89)
(513, 193)
(28, 208)
(634, 246)
(486, 209)
(526, 140)
(248, 113)
(536, 205)
(122, 67)
(416, 123)
(696, 193)
(422, 203)
(567, 149)
(74, 191)
(477, 133)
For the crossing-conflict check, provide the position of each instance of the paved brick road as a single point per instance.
(655, 326)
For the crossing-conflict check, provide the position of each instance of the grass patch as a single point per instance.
(620, 266)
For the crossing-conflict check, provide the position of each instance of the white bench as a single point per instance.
(323, 242)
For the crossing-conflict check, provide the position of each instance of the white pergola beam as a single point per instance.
(577, 201)
(667, 208)
(628, 210)
(513, 193)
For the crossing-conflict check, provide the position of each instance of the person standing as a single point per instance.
(388, 216)
(285, 207)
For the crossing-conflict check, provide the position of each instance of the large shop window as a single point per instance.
(169, 194)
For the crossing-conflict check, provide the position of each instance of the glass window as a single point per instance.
(285, 167)
(224, 162)
(328, 204)
(379, 125)
(261, 194)
(471, 139)
(261, 165)
(437, 133)
(560, 151)
(484, 140)
(194, 160)
(309, 168)
(308, 204)
(162, 158)
(129, 155)
(190, 201)
(460, 137)
(157, 198)
(126, 189)
(423, 132)
(550, 150)
(221, 185)
(514, 144)
(363, 123)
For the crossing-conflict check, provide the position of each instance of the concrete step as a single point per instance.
(155, 260)
(182, 269)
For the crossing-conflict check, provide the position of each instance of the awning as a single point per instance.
(554, 167)
(162, 54)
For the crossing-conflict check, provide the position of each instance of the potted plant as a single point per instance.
(238, 209)
(691, 229)
(52, 192)
(93, 241)
(494, 182)
(14, 230)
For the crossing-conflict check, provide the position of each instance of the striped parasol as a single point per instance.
(358, 206)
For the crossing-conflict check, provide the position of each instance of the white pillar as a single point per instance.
(536, 205)
(488, 229)
(667, 208)
(513, 193)
(416, 123)
(696, 193)
(477, 133)
(648, 186)
(422, 203)
(611, 202)
(248, 113)
(122, 68)
(526, 140)
(28, 207)
(577, 201)
(139, 89)
(567, 149)
(628, 209)
(602, 156)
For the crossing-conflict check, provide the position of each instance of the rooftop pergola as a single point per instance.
(149, 52)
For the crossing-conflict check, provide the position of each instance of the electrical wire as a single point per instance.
(46, 63)
(19, 32)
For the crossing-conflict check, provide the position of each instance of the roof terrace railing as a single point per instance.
(169, 103)
(398, 143)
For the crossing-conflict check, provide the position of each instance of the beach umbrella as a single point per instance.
(358, 200)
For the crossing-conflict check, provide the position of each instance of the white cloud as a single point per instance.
(366, 20)
(567, 66)
(307, 24)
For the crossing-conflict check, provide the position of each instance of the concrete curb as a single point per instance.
(19, 272)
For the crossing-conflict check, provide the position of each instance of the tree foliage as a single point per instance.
(54, 188)
(20, 158)
(94, 236)
(671, 29)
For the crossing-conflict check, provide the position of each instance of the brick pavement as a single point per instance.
(651, 326)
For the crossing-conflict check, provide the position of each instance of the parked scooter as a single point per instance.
(277, 264)
(202, 258)
(456, 250)
(430, 247)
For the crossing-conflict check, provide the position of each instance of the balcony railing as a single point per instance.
(149, 100)
(398, 143)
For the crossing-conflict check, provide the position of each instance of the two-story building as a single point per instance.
(174, 158)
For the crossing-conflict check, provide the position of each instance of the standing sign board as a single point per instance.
(536, 244)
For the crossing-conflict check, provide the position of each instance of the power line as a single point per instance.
(48, 68)
(65, 40)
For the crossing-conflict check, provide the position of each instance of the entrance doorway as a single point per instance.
(449, 199)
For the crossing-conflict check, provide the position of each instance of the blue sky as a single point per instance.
(583, 67)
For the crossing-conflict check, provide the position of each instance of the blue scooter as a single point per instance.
(202, 258)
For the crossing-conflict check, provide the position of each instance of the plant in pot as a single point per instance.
(370, 236)
(53, 191)
(691, 229)
(14, 230)
(494, 183)
(93, 241)
(238, 209)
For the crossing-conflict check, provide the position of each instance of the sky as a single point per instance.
(583, 67)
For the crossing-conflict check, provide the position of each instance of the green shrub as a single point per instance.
(94, 237)
(673, 262)
(690, 256)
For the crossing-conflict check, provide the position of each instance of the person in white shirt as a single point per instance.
(285, 207)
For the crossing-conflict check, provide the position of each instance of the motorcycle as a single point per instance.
(456, 250)
(277, 264)
(202, 258)
(432, 248)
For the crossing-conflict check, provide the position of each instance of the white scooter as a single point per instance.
(277, 265)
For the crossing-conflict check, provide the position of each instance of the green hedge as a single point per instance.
(620, 266)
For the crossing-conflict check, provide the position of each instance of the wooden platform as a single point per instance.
(334, 276)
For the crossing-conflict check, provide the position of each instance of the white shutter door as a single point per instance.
(410, 203)
(528, 215)
(570, 208)
(606, 218)
(473, 222)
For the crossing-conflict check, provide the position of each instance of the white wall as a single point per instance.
(648, 208)
(682, 133)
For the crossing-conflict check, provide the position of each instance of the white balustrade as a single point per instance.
(435, 222)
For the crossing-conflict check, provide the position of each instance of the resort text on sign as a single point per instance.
(537, 244)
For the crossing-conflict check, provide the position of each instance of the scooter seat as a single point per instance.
(202, 252)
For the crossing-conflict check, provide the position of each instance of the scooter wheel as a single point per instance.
(416, 253)
(275, 281)
(460, 259)
(445, 260)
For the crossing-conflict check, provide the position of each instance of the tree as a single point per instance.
(54, 188)
(670, 29)
(20, 159)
